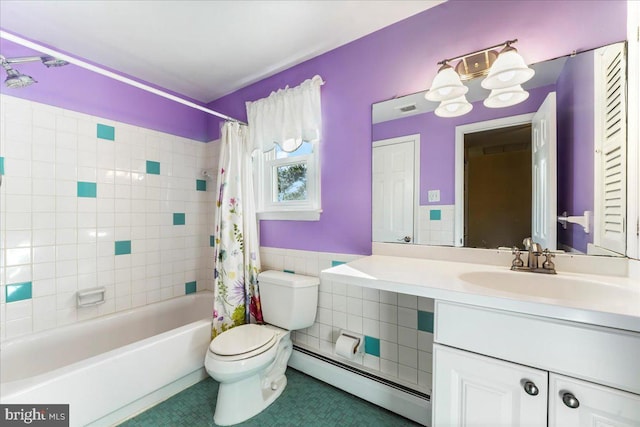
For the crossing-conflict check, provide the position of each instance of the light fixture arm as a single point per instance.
(507, 44)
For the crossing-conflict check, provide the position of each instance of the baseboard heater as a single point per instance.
(394, 397)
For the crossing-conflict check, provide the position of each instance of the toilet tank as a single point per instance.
(288, 300)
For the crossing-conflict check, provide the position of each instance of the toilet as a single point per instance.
(249, 361)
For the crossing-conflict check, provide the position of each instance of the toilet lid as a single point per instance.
(241, 339)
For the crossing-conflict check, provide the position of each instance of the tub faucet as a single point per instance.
(534, 250)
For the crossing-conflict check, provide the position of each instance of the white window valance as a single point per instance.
(287, 117)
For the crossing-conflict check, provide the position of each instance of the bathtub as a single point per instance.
(114, 366)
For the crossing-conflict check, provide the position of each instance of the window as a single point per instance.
(288, 183)
(285, 132)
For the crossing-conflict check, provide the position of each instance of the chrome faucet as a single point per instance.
(534, 250)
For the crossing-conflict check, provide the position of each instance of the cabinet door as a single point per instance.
(475, 390)
(575, 403)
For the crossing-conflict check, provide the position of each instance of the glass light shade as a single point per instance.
(499, 98)
(454, 107)
(508, 70)
(446, 85)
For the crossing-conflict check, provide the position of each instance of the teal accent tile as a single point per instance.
(212, 241)
(435, 214)
(190, 287)
(334, 263)
(87, 189)
(123, 247)
(425, 321)
(153, 167)
(1, 165)
(289, 271)
(18, 291)
(178, 219)
(372, 345)
(106, 132)
(201, 185)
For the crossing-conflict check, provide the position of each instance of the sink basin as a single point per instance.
(549, 286)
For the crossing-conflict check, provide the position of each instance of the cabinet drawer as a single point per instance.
(602, 355)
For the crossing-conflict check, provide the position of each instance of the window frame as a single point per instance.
(268, 208)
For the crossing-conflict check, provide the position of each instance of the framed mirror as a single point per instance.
(471, 180)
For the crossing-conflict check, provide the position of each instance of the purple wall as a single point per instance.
(394, 61)
(437, 140)
(575, 146)
(77, 89)
(399, 60)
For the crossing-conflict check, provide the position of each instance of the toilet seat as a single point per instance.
(243, 342)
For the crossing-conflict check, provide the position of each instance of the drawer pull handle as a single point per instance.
(570, 400)
(531, 389)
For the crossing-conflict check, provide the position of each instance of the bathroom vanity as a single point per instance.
(519, 348)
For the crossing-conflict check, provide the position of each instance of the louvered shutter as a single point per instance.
(610, 131)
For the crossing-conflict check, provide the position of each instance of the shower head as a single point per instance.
(16, 79)
(50, 61)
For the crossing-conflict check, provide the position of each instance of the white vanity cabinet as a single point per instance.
(498, 368)
(475, 390)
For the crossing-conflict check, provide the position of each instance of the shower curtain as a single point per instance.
(237, 259)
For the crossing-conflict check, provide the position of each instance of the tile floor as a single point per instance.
(305, 402)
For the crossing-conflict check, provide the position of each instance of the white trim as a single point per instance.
(395, 400)
(633, 129)
(461, 131)
(308, 215)
(415, 138)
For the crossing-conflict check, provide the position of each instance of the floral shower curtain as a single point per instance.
(237, 259)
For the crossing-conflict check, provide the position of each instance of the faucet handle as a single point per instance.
(517, 261)
(548, 264)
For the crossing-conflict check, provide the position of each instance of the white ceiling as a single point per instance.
(201, 49)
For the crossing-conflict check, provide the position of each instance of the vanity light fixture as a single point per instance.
(506, 97)
(505, 71)
(446, 85)
(454, 107)
(508, 70)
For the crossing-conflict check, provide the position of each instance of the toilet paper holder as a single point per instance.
(349, 344)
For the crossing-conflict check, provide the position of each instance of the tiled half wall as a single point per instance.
(89, 202)
(398, 328)
(436, 225)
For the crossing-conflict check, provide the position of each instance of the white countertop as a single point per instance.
(599, 300)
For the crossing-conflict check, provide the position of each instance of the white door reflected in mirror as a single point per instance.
(393, 190)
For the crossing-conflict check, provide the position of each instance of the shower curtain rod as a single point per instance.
(27, 43)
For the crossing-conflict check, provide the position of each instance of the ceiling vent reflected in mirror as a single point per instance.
(407, 108)
(505, 71)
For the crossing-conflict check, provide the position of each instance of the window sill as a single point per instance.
(311, 215)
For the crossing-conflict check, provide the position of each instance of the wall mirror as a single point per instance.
(471, 180)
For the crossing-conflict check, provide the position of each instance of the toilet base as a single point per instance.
(240, 400)
(237, 402)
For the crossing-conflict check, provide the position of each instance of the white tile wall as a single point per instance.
(392, 318)
(63, 243)
(436, 232)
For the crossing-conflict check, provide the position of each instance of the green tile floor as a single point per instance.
(306, 402)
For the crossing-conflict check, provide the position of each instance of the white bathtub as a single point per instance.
(112, 367)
